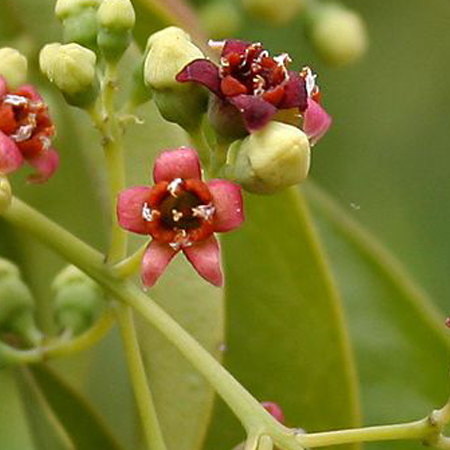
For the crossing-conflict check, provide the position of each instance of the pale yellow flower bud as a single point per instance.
(5, 194)
(116, 14)
(276, 13)
(272, 159)
(13, 67)
(66, 8)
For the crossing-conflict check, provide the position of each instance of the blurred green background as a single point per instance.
(385, 161)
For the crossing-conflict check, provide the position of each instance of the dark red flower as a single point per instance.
(25, 132)
(256, 84)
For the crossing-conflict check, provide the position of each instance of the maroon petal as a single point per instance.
(155, 260)
(180, 163)
(227, 199)
(30, 92)
(46, 163)
(205, 258)
(235, 46)
(201, 71)
(10, 156)
(295, 94)
(130, 204)
(316, 121)
(256, 112)
(3, 88)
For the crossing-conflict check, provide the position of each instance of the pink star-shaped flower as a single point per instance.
(25, 133)
(181, 212)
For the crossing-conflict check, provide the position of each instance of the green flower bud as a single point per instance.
(220, 19)
(116, 19)
(79, 18)
(78, 300)
(5, 194)
(72, 68)
(169, 51)
(272, 159)
(16, 304)
(273, 12)
(13, 67)
(337, 33)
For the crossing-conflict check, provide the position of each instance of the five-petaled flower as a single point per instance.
(250, 87)
(181, 212)
(25, 132)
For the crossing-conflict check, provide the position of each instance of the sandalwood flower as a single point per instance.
(181, 212)
(25, 132)
(250, 87)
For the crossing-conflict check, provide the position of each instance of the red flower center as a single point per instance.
(254, 72)
(26, 122)
(180, 212)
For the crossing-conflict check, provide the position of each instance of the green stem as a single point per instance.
(199, 142)
(130, 265)
(142, 392)
(252, 415)
(12, 356)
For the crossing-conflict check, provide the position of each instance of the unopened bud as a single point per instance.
(220, 19)
(5, 194)
(13, 67)
(78, 300)
(72, 68)
(338, 34)
(16, 304)
(272, 159)
(273, 12)
(116, 19)
(168, 52)
(79, 18)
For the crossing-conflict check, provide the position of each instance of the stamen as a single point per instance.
(46, 142)
(205, 212)
(23, 133)
(216, 45)
(15, 100)
(174, 185)
(310, 80)
(181, 240)
(282, 60)
(147, 213)
(176, 215)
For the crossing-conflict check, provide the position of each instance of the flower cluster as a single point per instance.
(25, 132)
(181, 212)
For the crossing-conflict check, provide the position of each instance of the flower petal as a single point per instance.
(235, 46)
(3, 88)
(10, 157)
(227, 199)
(294, 93)
(205, 258)
(316, 121)
(256, 112)
(201, 71)
(180, 163)
(130, 204)
(29, 91)
(46, 163)
(155, 260)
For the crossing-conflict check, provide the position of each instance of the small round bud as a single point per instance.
(13, 67)
(79, 18)
(168, 52)
(338, 34)
(220, 19)
(116, 19)
(5, 194)
(72, 68)
(272, 12)
(16, 304)
(272, 159)
(78, 300)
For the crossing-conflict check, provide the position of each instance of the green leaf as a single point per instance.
(401, 343)
(85, 428)
(14, 432)
(286, 340)
(46, 430)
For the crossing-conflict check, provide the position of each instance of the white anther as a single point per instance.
(310, 80)
(205, 212)
(46, 142)
(23, 133)
(176, 215)
(174, 185)
(216, 45)
(181, 240)
(15, 100)
(147, 213)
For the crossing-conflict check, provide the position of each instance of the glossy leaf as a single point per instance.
(401, 343)
(84, 426)
(286, 336)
